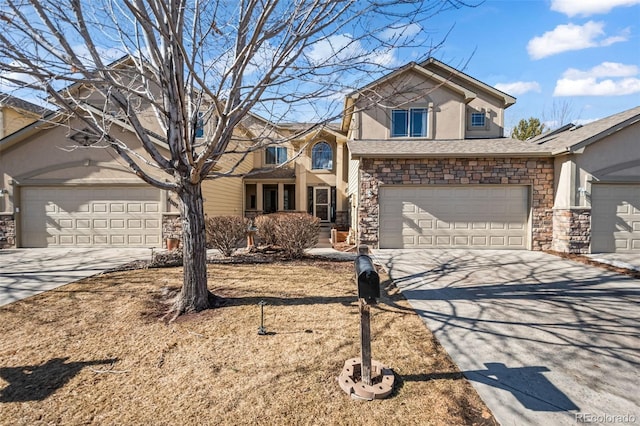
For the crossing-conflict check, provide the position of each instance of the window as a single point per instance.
(409, 122)
(321, 156)
(477, 119)
(200, 125)
(276, 155)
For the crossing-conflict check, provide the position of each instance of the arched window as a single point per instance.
(322, 156)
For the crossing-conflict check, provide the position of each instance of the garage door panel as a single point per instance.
(99, 208)
(100, 240)
(86, 217)
(479, 240)
(83, 240)
(116, 208)
(472, 217)
(615, 218)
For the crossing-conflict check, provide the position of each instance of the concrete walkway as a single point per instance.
(545, 341)
(620, 260)
(27, 272)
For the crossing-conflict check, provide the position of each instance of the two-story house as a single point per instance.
(62, 186)
(430, 168)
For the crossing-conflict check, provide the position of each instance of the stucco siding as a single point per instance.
(617, 155)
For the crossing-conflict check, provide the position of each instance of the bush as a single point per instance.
(292, 232)
(297, 232)
(267, 232)
(226, 233)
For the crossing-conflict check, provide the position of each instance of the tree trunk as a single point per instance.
(195, 295)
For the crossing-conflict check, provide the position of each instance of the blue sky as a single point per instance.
(584, 54)
(549, 54)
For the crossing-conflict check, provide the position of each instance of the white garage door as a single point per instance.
(615, 218)
(119, 216)
(491, 217)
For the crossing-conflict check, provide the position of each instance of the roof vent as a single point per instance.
(576, 127)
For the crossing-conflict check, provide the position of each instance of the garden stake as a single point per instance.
(262, 330)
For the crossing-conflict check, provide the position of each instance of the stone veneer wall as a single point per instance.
(538, 173)
(572, 230)
(171, 227)
(7, 231)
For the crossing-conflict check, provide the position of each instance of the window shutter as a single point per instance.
(310, 199)
(332, 210)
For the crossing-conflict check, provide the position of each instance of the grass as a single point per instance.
(96, 352)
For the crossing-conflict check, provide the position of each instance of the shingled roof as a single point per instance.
(17, 103)
(576, 137)
(407, 148)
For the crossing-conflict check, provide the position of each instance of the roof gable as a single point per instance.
(448, 72)
(574, 138)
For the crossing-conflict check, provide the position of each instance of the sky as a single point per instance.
(580, 54)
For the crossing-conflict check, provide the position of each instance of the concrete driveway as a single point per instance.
(542, 339)
(26, 272)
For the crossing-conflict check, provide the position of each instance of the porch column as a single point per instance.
(340, 186)
(280, 196)
(301, 188)
(259, 198)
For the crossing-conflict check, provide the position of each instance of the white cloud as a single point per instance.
(12, 80)
(401, 31)
(605, 69)
(606, 79)
(342, 48)
(592, 87)
(571, 37)
(335, 48)
(588, 7)
(518, 87)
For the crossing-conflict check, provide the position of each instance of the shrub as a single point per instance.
(291, 232)
(297, 232)
(267, 232)
(226, 233)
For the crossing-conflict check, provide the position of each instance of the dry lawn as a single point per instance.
(96, 352)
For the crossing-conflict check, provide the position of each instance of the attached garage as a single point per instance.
(97, 216)
(472, 216)
(615, 218)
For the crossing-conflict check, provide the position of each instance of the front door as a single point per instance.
(270, 198)
(321, 203)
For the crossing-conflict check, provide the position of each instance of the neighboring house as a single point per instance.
(430, 168)
(597, 185)
(15, 113)
(314, 181)
(63, 187)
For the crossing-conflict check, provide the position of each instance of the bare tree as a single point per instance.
(559, 114)
(188, 64)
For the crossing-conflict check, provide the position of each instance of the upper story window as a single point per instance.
(409, 122)
(275, 155)
(200, 125)
(322, 156)
(477, 119)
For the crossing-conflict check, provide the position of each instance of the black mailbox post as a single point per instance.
(368, 279)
